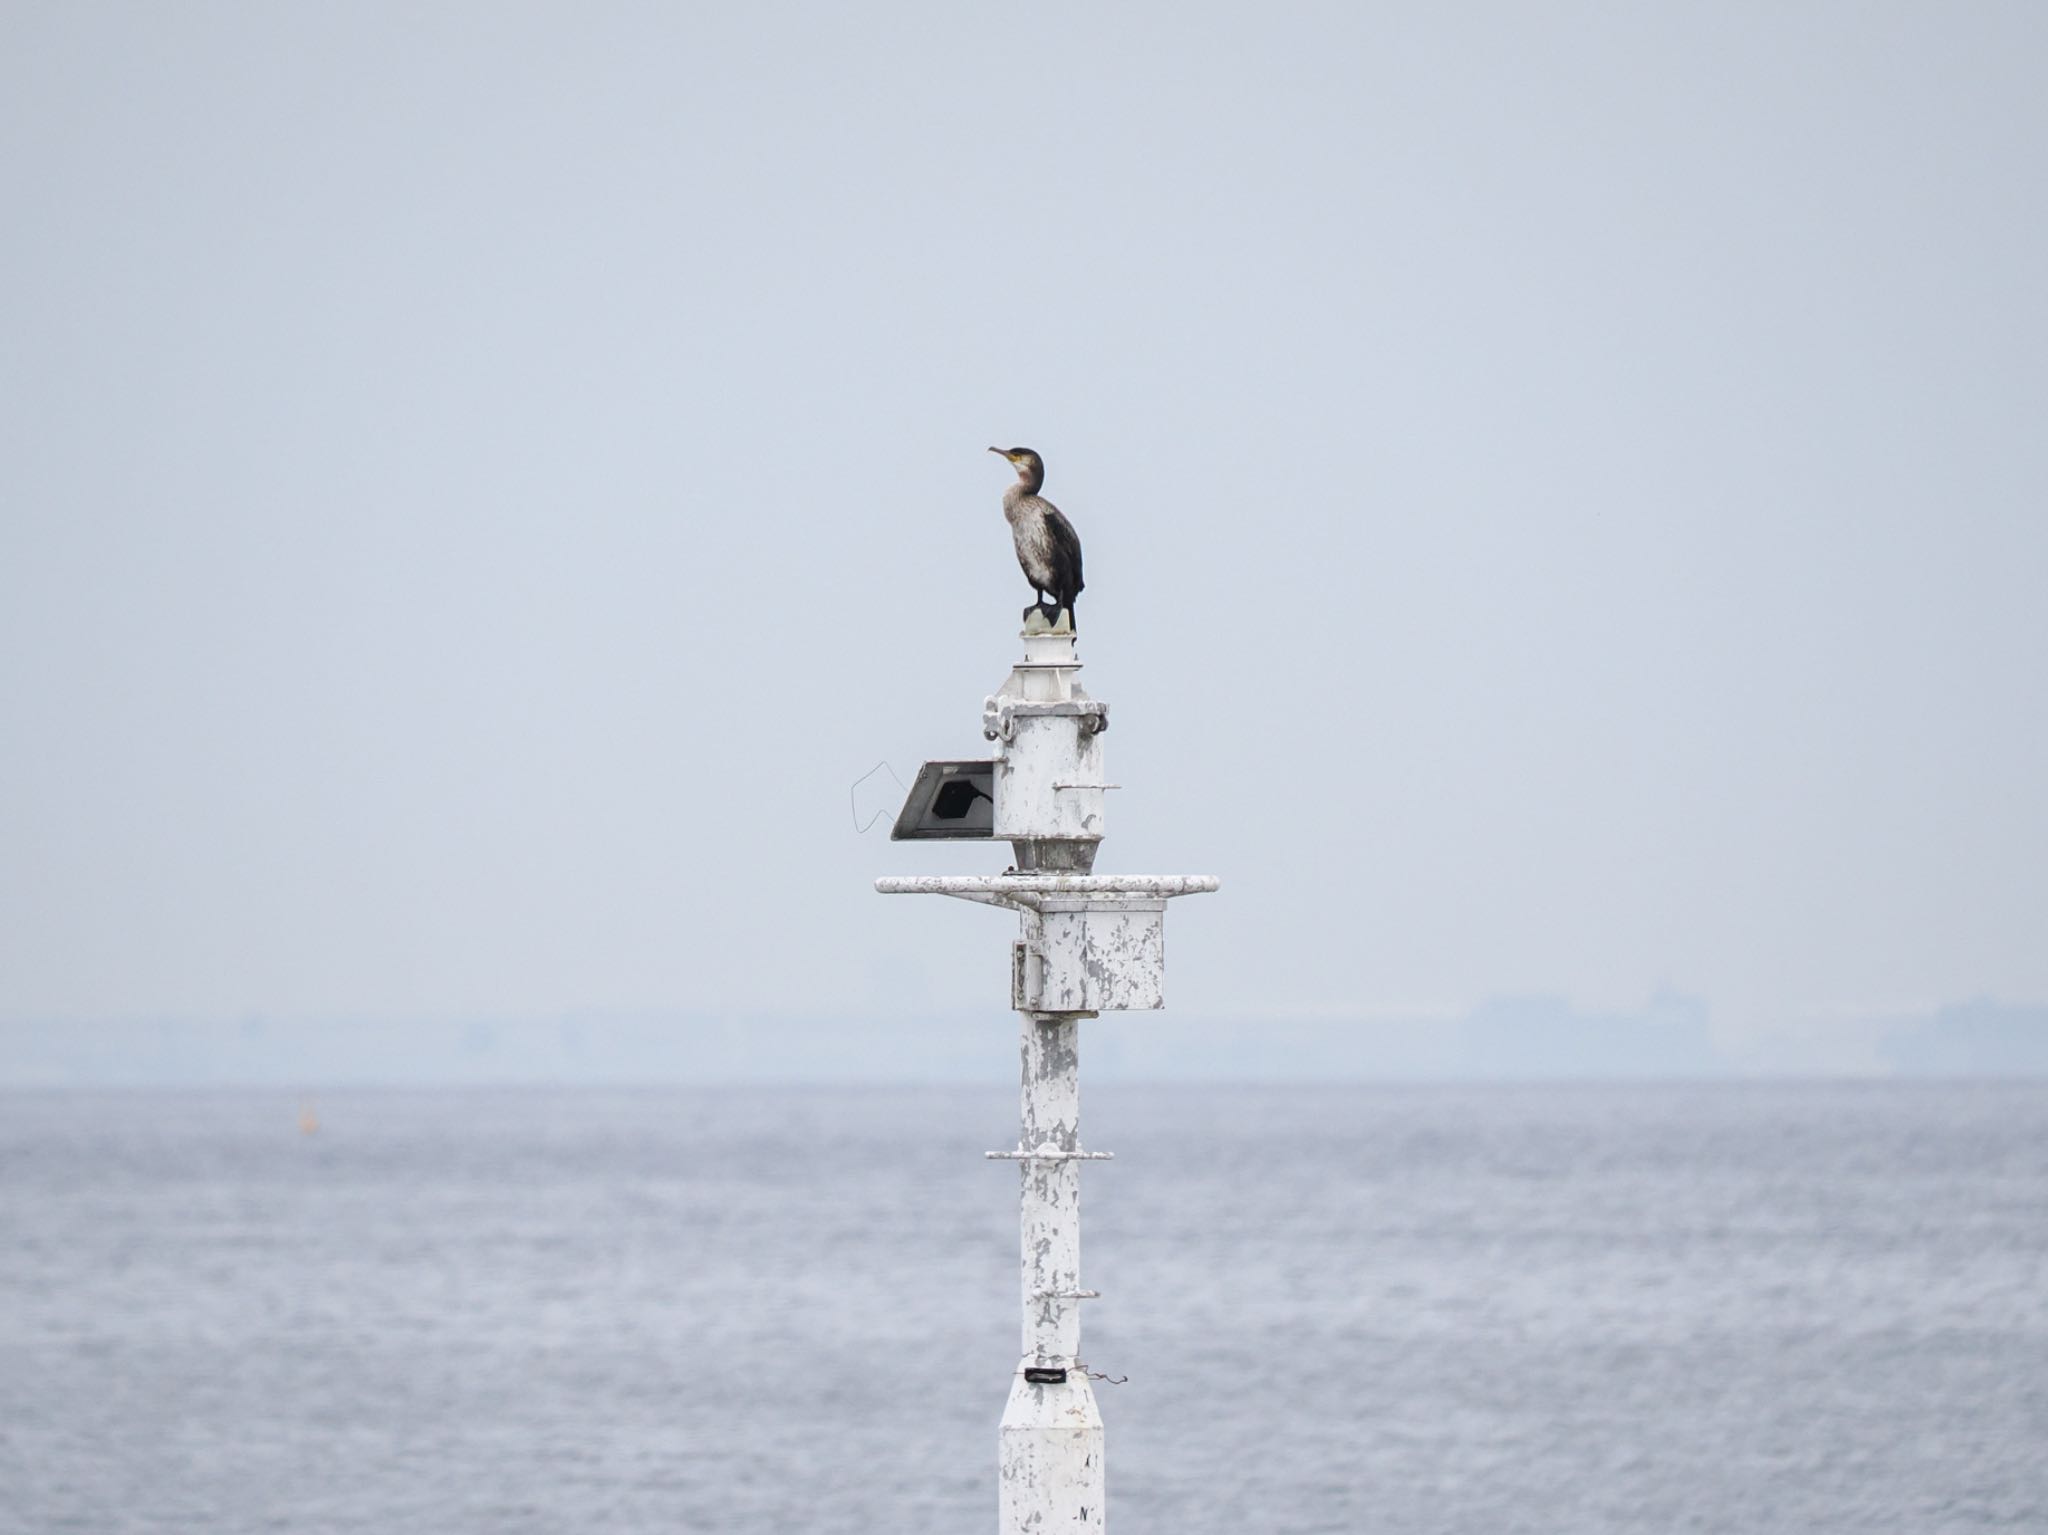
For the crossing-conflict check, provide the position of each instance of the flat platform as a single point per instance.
(1049, 885)
(996, 886)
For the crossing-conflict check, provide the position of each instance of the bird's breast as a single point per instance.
(1033, 539)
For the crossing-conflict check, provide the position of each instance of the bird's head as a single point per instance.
(1029, 466)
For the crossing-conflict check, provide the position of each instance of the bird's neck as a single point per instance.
(1028, 482)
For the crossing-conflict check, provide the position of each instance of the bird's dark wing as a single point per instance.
(1066, 549)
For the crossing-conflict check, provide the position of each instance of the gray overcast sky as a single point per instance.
(1563, 488)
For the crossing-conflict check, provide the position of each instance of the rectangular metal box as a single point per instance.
(1092, 955)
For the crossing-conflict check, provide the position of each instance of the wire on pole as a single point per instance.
(861, 829)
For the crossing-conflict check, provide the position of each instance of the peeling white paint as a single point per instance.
(1088, 944)
(1052, 1459)
(1102, 953)
(1052, 1439)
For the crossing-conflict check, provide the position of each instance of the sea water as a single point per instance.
(1463, 1311)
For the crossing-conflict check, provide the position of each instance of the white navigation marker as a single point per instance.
(1088, 944)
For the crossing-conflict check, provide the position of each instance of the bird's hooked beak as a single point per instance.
(1003, 451)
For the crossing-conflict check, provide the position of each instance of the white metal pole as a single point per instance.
(1091, 943)
(1050, 1223)
(1052, 1442)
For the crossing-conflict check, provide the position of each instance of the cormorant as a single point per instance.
(1047, 546)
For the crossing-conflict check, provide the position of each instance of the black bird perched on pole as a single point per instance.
(1047, 546)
